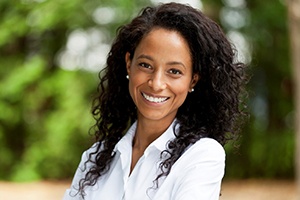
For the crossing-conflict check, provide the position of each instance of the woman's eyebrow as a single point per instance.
(176, 63)
(145, 56)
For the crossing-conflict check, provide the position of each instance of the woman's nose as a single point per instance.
(157, 81)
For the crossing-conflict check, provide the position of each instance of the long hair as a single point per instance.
(212, 110)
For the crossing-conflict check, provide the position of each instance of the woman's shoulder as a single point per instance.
(91, 151)
(202, 163)
(206, 149)
(207, 146)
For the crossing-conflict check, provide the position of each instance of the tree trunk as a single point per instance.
(294, 26)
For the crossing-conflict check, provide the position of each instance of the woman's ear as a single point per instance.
(128, 62)
(194, 81)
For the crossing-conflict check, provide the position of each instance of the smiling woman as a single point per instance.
(168, 100)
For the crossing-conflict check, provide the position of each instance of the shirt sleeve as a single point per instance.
(202, 177)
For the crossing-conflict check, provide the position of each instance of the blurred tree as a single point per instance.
(267, 142)
(294, 25)
(270, 132)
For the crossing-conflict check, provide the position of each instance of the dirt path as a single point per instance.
(259, 190)
(231, 190)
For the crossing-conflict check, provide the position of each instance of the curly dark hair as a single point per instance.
(214, 108)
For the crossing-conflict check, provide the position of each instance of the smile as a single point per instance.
(154, 99)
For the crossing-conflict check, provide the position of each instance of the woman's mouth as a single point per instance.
(154, 99)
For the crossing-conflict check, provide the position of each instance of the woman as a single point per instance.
(168, 101)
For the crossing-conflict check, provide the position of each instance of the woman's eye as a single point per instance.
(175, 71)
(145, 65)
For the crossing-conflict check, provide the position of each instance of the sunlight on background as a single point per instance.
(88, 49)
(193, 3)
(234, 16)
(85, 49)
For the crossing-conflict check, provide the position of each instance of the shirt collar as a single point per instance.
(161, 142)
(125, 144)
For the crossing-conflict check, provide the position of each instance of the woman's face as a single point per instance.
(160, 74)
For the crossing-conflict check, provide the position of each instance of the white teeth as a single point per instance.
(154, 99)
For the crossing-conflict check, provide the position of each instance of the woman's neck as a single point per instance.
(149, 130)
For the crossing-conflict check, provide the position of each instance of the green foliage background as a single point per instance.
(45, 110)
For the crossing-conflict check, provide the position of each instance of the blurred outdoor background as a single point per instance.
(52, 50)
